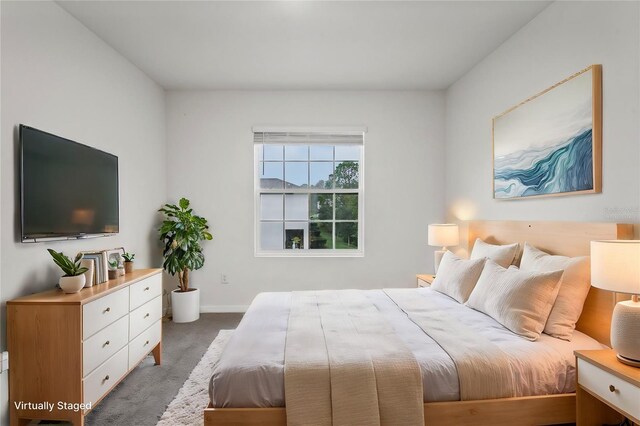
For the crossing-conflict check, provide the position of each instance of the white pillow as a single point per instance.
(456, 277)
(574, 287)
(519, 300)
(502, 255)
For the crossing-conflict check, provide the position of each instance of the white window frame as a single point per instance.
(359, 252)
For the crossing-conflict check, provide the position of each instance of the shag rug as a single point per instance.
(187, 408)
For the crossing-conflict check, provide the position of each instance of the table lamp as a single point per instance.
(442, 235)
(615, 266)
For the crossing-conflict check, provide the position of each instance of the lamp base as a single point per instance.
(625, 332)
(628, 361)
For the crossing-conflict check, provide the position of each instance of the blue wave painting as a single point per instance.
(564, 168)
(545, 145)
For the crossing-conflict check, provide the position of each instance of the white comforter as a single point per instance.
(250, 372)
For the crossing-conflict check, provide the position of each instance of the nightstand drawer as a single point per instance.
(609, 388)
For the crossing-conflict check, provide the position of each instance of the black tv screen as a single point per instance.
(68, 190)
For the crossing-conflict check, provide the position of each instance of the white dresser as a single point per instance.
(72, 349)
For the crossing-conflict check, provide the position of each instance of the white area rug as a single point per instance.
(187, 408)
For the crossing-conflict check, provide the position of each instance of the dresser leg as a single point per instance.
(157, 353)
(78, 420)
(19, 422)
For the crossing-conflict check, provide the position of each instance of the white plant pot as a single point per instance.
(185, 307)
(72, 284)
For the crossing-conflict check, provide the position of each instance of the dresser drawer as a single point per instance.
(142, 345)
(105, 377)
(145, 290)
(106, 342)
(144, 316)
(100, 313)
(624, 396)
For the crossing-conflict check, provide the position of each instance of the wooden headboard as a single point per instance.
(566, 239)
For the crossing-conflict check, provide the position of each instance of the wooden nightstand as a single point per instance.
(606, 389)
(424, 280)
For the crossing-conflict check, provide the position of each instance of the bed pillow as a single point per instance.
(574, 287)
(519, 300)
(503, 255)
(457, 277)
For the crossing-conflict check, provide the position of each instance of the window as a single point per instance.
(309, 193)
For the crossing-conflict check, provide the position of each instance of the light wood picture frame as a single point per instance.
(551, 143)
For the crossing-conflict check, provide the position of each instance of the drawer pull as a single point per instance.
(146, 289)
(106, 310)
(147, 315)
(612, 388)
(146, 343)
(105, 378)
(106, 343)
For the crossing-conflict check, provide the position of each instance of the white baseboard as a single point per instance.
(224, 308)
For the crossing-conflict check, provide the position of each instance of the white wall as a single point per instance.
(58, 76)
(210, 148)
(563, 39)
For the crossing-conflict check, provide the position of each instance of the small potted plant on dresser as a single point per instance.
(113, 269)
(128, 262)
(73, 279)
(181, 233)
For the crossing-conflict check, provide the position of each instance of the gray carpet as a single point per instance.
(141, 398)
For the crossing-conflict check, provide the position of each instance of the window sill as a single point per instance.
(308, 253)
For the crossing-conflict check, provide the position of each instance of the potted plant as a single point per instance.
(181, 233)
(128, 262)
(73, 279)
(113, 269)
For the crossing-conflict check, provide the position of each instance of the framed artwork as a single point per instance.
(551, 143)
(114, 254)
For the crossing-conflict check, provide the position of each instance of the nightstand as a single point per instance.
(424, 280)
(606, 389)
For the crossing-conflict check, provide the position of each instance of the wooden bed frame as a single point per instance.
(563, 238)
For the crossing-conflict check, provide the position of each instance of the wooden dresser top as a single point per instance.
(86, 295)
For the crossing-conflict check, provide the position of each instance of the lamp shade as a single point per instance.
(615, 265)
(443, 234)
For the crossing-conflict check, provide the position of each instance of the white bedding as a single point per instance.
(250, 372)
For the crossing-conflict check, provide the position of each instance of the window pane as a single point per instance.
(348, 152)
(271, 207)
(346, 174)
(321, 206)
(296, 152)
(321, 235)
(347, 235)
(346, 206)
(273, 152)
(296, 175)
(271, 237)
(271, 175)
(294, 235)
(321, 174)
(296, 207)
(321, 152)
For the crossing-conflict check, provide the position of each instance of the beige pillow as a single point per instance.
(503, 255)
(456, 277)
(519, 300)
(574, 287)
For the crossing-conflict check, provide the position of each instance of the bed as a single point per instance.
(247, 385)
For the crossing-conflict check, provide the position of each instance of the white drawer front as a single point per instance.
(100, 313)
(104, 377)
(144, 316)
(142, 345)
(145, 290)
(625, 396)
(106, 342)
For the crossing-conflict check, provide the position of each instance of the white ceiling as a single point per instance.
(304, 44)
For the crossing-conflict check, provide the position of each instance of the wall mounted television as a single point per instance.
(67, 190)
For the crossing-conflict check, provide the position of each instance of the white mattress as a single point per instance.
(250, 372)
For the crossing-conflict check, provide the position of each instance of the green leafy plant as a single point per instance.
(71, 268)
(113, 264)
(128, 257)
(181, 233)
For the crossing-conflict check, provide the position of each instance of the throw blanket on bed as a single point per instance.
(344, 364)
(483, 369)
